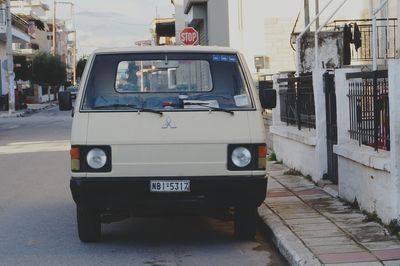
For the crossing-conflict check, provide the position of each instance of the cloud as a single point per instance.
(98, 14)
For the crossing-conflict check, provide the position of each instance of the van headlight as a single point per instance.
(241, 157)
(96, 158)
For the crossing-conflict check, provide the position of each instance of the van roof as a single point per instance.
(167, 49)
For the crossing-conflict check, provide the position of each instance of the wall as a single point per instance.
(329, 50)
(257, 28)
(394, 95)
(366, 175)
(42, 41)
(305, 149)
(179, 19)
(277, 44)
(218, 22)
(372, 188)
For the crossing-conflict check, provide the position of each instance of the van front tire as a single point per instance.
(245, 222)
(89, 224)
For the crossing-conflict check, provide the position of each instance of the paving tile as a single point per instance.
(319, 220)
(274, 185)
(314, 227)
(319, 234)
(370, 234)
(285, 212)
(392, 263)
(349, 257)
(298, 187)
(294, 206)
(343, 217)
(394, 244)
(306, 198)
(309, 192)
(300, 215)
(356, 264)
(388, 254)
(332, 249)
(324, 241)
(282, 199)
(272, 194)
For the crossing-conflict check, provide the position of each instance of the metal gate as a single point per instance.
(331, 126)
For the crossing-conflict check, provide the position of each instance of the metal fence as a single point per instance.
(369, 109)
(386, 32)
(297, 105)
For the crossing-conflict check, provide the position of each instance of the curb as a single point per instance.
(289, 245)
(28, 111)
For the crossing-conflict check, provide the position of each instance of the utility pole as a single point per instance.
(54, 28)
(316, 13)
(306, 13)
(74, 57)
(69, 32)
(10, 63)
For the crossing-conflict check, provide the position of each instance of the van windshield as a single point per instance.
(166, 81)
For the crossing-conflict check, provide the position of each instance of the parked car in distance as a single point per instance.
(167, 130)
(73, 91)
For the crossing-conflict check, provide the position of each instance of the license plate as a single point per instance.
(170, 186)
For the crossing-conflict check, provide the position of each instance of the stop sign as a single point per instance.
(189, 36)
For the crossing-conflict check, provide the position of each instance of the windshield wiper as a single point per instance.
(131, 106)
(210, 107)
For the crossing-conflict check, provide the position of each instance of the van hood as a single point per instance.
(178, 127)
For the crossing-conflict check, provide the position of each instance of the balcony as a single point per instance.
(26, 49)
(386, 32)
(19, 28)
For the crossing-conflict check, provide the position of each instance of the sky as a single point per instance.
(116, 23)
(119, 23)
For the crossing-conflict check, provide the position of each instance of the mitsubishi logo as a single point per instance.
(168, 123)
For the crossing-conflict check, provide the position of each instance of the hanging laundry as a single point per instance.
(347, 40)
(357, 37)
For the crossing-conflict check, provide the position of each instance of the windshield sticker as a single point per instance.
(232, 59)
(224, 58)
(216, 58)
(241, 100)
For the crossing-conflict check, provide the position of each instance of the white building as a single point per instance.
(42, 40)
(20, 35)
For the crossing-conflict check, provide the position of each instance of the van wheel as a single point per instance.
(89, 225)
(245, 222)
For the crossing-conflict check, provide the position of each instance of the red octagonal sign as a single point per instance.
(189, 36)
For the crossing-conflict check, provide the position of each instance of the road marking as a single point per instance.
(35, 146)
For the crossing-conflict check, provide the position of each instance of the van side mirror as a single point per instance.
(267, 95)
(65, 101)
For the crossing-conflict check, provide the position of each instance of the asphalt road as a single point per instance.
(37, 214)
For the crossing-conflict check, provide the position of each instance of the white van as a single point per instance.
(160, 130)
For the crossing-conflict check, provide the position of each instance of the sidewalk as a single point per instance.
(311, 227)
(32, 108)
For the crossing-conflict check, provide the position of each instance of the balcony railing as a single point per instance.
(386, 32)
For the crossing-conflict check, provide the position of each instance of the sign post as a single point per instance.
(189, 36)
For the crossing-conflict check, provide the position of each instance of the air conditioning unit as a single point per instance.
(261, 62)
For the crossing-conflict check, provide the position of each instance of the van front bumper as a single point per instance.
(134, 193)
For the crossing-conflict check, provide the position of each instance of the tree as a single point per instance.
(49, 70)
(22, 68)
(80, 67)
